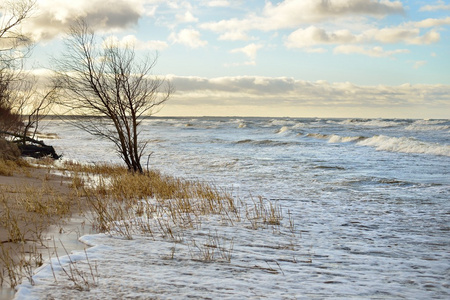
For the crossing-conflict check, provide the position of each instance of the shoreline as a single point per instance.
(57, 234)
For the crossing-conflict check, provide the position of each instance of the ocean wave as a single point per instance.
(281, 122)
(429, 125)
(333, 138)
(418, 127)
(405, 145)
(373, 122)
(300, 125)
(386, 143)
(344, 139)
(384, 182)
(282, 130)
(265, 142)
(430, 122)
(318, 135)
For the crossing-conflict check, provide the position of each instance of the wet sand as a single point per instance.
(60, 231)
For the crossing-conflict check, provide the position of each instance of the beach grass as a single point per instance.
(30, 201)
(117, 202)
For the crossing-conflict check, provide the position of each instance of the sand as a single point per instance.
(41, 233)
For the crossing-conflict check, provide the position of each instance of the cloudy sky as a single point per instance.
(299, 58)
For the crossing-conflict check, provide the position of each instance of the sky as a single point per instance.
(289, 58)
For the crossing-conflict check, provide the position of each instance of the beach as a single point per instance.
(31, 235)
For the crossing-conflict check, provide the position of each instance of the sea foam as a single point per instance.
(405, 145)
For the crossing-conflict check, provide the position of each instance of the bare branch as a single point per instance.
(113, 83)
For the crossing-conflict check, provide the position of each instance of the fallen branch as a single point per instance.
(38, 150)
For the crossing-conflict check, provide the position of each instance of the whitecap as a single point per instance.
(426, 127)
(343, 139)
(405, 145)
(318, 135)
(283, 129)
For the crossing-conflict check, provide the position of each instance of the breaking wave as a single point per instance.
(429, 125)
(418, 127)
(265, 142)
(386, 143)
(405, 145)
(282, 130)
(318, 135)
(373, 122)
(344, 139)
(333, 138)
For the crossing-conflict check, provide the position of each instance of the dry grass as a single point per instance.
(9, 167)
(81, 280)
(215, 248)
(27, 208)
(149, 200)
(115, 195)
(123, 204)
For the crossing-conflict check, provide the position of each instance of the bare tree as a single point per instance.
(8, 119)
(14, 46)
(22, 103)
(108, 80)
(12, 14)
(33, 102)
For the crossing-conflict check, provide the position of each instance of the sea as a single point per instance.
(370, 199)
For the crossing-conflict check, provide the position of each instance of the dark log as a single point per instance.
(36, 149)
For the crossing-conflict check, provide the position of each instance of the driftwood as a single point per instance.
(38, 151)
(33, 148)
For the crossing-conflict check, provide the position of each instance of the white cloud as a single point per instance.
(188, 37)
(373, 51)
(218, 3)
(264, 94)
(432, 22)
(315, 50)
(315, 36)
(419, 64)
(132, 41)
(312, 36)
(150, 11)
(187, 17)
(249, 50)
(286, 96)
(292, 13)
(53, 17)
(402, 35)
(234, 36)
(440, 5)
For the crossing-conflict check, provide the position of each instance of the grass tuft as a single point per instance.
(124, 204)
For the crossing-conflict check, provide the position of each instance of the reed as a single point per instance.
(81, 280)
(19, 263)
(214, 248)
(262, 213)
(126, 204)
